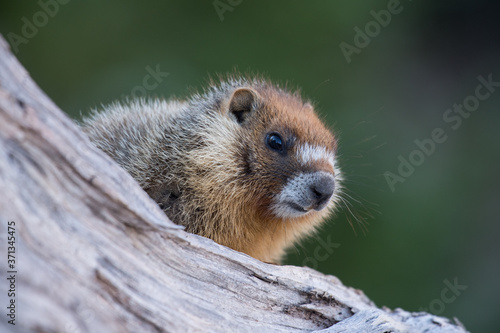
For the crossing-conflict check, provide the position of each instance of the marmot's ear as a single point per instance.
(242, 103)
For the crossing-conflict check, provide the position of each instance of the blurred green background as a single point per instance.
(437, 228)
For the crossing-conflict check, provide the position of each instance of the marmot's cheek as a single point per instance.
(304, 193)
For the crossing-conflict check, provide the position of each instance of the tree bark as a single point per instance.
(93, 253)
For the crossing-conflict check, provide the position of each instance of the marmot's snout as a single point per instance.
(305, 193)
(321, 191)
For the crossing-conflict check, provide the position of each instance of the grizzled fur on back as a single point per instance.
(245, 163)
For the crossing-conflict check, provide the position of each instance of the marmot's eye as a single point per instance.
(275, 142)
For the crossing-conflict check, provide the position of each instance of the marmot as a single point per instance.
(246, 163)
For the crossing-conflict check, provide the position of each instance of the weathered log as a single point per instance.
(94, 254)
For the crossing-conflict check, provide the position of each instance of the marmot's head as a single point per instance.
(267, 156)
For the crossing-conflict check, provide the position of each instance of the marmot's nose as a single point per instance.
(321, 191)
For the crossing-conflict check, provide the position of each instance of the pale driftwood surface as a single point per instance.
(95, 254)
